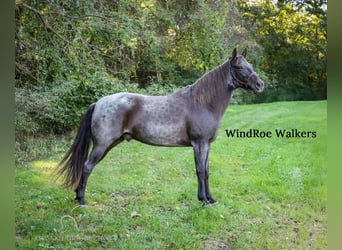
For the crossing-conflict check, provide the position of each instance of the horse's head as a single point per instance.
(243, 74)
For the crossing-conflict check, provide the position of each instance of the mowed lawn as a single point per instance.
(271, 192)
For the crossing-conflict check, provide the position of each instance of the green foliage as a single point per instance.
(294, 39)
(272, 192)
(202, 36)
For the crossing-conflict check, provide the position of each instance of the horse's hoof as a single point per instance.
(211, 201)
(79, 207)
(214, 203)
(80, 202)
(209, 204)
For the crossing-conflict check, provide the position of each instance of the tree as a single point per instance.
(293, 36)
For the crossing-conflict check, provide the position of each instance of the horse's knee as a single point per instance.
(201, 174)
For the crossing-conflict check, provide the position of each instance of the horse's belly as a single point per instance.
(157, 133)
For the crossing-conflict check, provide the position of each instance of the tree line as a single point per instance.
(70, 53)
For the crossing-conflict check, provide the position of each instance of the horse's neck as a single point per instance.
(221, 101)
(212, 90)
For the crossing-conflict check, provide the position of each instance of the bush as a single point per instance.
(30, 107)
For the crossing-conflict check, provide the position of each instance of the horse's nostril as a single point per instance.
(260, 85)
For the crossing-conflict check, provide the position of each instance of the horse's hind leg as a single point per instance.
(97, 154)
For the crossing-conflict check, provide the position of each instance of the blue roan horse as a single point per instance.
(189, 117)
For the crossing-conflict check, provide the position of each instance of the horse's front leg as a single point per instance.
(201, 151)
(207, 190)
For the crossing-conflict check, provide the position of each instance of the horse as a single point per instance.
(190, 117)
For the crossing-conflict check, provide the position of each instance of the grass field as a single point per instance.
(272, 192)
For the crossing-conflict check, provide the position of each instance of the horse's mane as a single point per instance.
(210, 84)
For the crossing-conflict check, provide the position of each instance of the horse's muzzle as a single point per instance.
(259, 86)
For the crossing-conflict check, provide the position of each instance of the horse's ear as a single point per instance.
(244, 53)
(234, 54)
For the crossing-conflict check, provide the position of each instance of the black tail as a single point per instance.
(72, 164)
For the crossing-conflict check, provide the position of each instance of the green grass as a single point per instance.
(272, 192)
